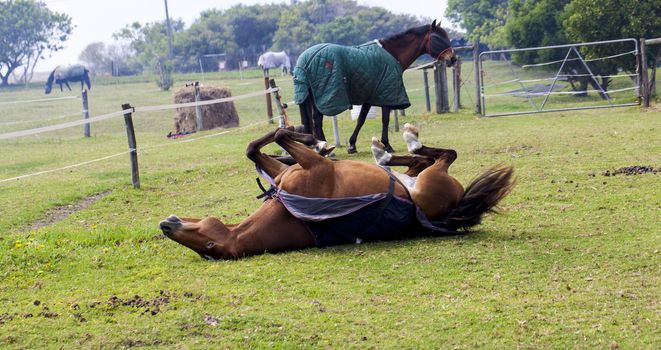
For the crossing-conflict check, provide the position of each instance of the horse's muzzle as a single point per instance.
(450, 62)
(169, 225)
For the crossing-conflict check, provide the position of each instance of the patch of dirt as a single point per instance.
(6, 317)
(147, 306)
(655, 108)
(133, 343)
(210, 320)
(632, 170)
(62, 212)
(45, 313)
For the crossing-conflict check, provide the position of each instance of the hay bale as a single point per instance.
(218, 115)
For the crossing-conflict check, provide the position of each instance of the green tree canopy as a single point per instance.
(28, 30)
(533, 23)
(482, 19)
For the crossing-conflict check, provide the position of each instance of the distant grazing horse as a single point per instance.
(318, 202)
(270, 60)
(329, 79)
(64, 74)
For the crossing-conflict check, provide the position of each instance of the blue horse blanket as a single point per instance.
(341, 76)
(373, 217)
(334, 221)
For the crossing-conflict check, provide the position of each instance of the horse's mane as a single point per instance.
(417, 31)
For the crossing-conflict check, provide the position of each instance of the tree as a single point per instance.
(253, 27)
(336, 21)
(595, 20)
(150, 44)
(535, 23)
(343, 31)
(294, 33)
(28, 30)
(111, 59)
(482, 19)
(209, 34)
(95, 58)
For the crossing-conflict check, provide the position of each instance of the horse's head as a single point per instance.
(206, 237)
(49, 83)
(439, 45)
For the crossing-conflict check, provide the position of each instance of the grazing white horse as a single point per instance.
(270, 60)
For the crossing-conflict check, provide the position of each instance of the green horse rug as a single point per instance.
(339, 77)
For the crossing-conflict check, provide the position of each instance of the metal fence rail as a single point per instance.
(572, 50)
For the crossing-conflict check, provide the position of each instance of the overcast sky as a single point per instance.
(97, 20)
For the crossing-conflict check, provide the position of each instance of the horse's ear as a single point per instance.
(433, 24)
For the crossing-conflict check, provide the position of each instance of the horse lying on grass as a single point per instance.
(318, 202)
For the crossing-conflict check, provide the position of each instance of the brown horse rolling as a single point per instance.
(424, 201)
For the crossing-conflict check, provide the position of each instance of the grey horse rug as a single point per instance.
(341, 76)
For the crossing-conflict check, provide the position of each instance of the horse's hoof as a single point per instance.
(352, 149)
(328, 151)
(377, 143)
(411, 129)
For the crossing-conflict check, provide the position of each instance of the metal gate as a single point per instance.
(506, 88)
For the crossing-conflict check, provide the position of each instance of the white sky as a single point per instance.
(97, 20)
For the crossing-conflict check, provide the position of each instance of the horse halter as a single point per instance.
(428, 39)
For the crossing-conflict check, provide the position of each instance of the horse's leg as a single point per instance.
(414, 146)
(61, 88)
(272, 166)
(67, 84)
(364, 109)
(306, 109)
(414, 163)
(385, 123)
(318, 124)
(294, 143)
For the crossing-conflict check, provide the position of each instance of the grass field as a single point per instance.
(572, 262)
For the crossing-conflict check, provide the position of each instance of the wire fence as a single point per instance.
(13, 135)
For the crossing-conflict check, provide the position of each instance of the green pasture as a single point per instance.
(572, 261)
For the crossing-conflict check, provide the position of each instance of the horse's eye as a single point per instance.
(211, 244)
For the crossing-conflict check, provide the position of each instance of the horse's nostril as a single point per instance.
(167, 230)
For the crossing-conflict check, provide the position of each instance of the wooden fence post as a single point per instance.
(86, 114)
(199, 120)
(644, 79)
(133, 151)
(456, 85)
(476, 77)
(269, 108)
(426, 81)
(282, 107)
(441, 87)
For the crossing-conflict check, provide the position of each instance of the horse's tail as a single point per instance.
(49, 82)
(481, 197)
(86, 79)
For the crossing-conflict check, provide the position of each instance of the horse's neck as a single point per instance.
(406, 49)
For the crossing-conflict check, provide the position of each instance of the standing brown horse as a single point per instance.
(319, 202)
(329, 79)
